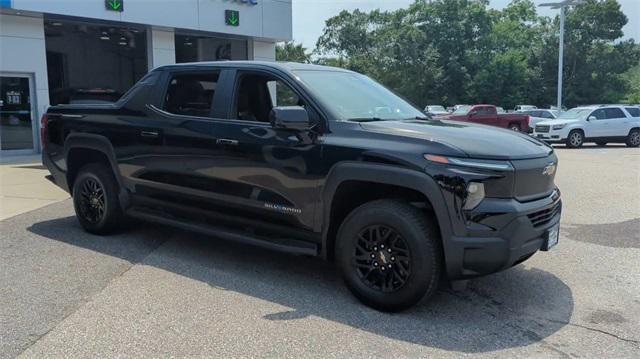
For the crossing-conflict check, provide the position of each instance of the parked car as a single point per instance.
(599, 124)
(487, 115)
(309, 160)
(520, 108)
(539, 115)
(435, 110)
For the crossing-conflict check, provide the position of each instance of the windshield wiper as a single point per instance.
(367, 119)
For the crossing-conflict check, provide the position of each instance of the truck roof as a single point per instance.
(286, 66)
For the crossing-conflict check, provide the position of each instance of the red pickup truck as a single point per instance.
(487, 114)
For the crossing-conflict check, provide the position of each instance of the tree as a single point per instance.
(461, 51)
(290, 51)
(633, 81)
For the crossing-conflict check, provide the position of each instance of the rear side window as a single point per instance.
(633, 111)
(191, 94)
(614, 113)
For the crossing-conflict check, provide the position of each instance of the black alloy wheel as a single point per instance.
(389, 254)
(92, 200)
(95, 199)
(382, 258)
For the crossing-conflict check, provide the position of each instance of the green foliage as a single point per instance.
(633, 79)
(461, 51)
(292, 52)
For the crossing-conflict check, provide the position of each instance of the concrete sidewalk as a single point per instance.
(23, 187)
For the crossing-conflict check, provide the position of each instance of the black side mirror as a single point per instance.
(289, 118)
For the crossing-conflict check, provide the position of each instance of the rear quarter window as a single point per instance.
(633, 111)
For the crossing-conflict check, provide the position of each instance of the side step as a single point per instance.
(292, 246)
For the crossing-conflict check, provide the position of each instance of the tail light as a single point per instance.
(529, 120)
(44, 121)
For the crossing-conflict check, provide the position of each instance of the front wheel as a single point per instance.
(575, 139)
(95, 199)
(633, 139)
(389, 254)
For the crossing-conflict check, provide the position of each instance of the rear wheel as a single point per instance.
(514, 127)
(389, 254)
(95, 199)
(633, 139)
(575, 139)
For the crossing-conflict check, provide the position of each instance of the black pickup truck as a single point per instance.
(313, 161)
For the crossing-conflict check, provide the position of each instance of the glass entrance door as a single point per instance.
(16, 113)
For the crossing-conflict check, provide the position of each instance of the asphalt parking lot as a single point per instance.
(156, 292)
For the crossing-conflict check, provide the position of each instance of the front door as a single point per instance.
(597, 127)
(268, 169)
(485, 115)
(17, 132)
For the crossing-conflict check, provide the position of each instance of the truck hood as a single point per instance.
(477, 141)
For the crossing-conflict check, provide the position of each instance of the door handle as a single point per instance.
(226, 142)
(148, 134)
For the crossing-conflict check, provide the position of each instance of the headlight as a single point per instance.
(475, 195)
(559, 127)
(469, 162)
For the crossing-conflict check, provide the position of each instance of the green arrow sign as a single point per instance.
(232, 17)
(114, 5)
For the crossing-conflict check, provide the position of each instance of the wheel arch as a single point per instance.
(378, 181)
(81, 149)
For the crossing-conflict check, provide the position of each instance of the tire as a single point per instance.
(514, 127)
(408, 268)
(601, 143)
(95, 199)
(633, 139)
(575, 139)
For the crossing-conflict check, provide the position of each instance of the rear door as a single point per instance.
(176, 142)
(618, 124)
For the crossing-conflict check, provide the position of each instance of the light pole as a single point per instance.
(562, 5)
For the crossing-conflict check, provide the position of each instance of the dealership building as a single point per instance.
(81, 51)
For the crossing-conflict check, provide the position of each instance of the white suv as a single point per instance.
(599, 124)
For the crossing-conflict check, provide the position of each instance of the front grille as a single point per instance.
(540, 218)
(542, 128)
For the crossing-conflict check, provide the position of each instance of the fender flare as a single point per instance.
(382, 174)
(103, 145)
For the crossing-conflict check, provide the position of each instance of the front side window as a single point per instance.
(191, 94)
(352, 96)
(599, 114)
(258, 93)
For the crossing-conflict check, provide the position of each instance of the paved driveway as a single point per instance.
(155, 291)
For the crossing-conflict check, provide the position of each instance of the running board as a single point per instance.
(292, 246)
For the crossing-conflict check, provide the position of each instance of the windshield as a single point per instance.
(353, 96)
(462, 110)
(574, 113)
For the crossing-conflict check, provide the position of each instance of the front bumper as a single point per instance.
(501, 233)
(551, 136)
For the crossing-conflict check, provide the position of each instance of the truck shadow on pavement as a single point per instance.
(515, 308)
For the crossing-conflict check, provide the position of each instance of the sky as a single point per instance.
(309, 15)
